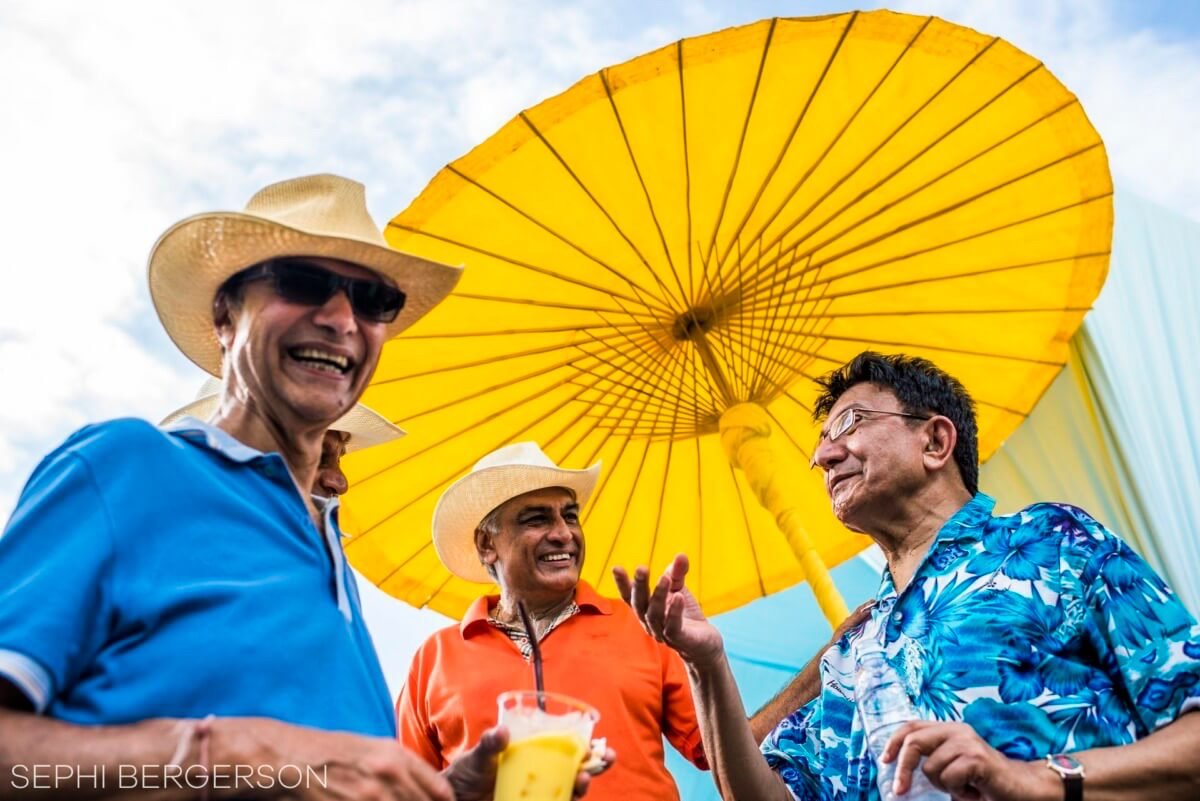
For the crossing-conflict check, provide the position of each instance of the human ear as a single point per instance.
(485, 547)
(941, 437)
(223, 321)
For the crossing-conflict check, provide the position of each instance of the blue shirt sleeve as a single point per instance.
(55, 567)
(791, 750)
(1147, 639)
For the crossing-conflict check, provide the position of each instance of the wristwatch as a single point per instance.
(1071, 772)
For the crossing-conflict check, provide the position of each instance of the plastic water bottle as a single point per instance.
(884, 706)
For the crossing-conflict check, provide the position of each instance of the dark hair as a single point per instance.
(230, 291)
(922, 388)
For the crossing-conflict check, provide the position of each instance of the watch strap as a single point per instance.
(1071, 773)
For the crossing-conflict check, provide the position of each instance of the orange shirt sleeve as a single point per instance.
(680, 726)
(412, 723)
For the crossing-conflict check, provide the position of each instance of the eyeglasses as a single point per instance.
(849, 420)
(306, 284)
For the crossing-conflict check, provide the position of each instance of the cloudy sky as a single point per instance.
(120, 118)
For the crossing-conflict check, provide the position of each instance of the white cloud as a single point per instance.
(134, 115)
(123, 118)
(1139, 86)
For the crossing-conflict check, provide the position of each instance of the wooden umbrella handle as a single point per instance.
(746, 436)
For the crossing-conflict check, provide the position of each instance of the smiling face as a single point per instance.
(537, 548)
(298, 365)
(874, 469)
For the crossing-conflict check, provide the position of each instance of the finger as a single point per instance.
(853, 620)
(624, 586)
(582, 781)
(430, 783)
(906, 763)
(677, 571)
(640, 594)
(493, 741)
(940, 757)
(897, 739)
(862, 612)
(673, 620)
(657, 609)
(957, 777)
(413, 780)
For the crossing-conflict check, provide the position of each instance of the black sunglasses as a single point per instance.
(302, 282)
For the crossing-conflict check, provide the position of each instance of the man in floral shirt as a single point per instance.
(1021, 637)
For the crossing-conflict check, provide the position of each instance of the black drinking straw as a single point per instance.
(537, 654)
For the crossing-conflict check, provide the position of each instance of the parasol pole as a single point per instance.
(746, 437)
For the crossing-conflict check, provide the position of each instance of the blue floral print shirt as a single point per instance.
(1041, 629)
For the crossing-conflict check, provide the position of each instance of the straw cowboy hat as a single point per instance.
(318, 215)
(503, 474)
(365, 426)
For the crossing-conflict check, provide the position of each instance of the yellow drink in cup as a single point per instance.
(545, 747)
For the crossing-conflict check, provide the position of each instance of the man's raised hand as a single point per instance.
(670, 613)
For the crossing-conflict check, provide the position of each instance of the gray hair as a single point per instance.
(490, 525)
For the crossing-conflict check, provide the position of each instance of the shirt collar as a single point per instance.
(967, 522)
(202, 433)
(328, 507)
(587, 599)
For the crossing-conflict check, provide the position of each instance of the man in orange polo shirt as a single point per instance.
(514, 520)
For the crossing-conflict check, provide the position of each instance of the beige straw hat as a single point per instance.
(365, 426)
(318, 215)
(505, 473)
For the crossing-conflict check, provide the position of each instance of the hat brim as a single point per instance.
(365, 426)
(195, 256)
(467, 501)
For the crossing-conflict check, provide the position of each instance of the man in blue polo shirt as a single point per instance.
(181, 587)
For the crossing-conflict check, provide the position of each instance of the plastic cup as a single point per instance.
(545, 747)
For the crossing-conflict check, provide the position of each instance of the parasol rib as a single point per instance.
(895, 203)
(662, 238)
(489, 360)
(941, 348)
(600, 207)
(624, 514)
(659, 362)
(883, 143)
(1065, 261)
(634, 285)
(883, 181)
(783, 151)
(961, 240)
(737, 152)
(934, 312)
(377, 526)
(524, 265)
(687, 172)
(460, 432)
(953, 206)
(833, 142)
(548, 304)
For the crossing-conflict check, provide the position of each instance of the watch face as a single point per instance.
(1065, 764)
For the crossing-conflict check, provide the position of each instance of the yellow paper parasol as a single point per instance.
(660, 258)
